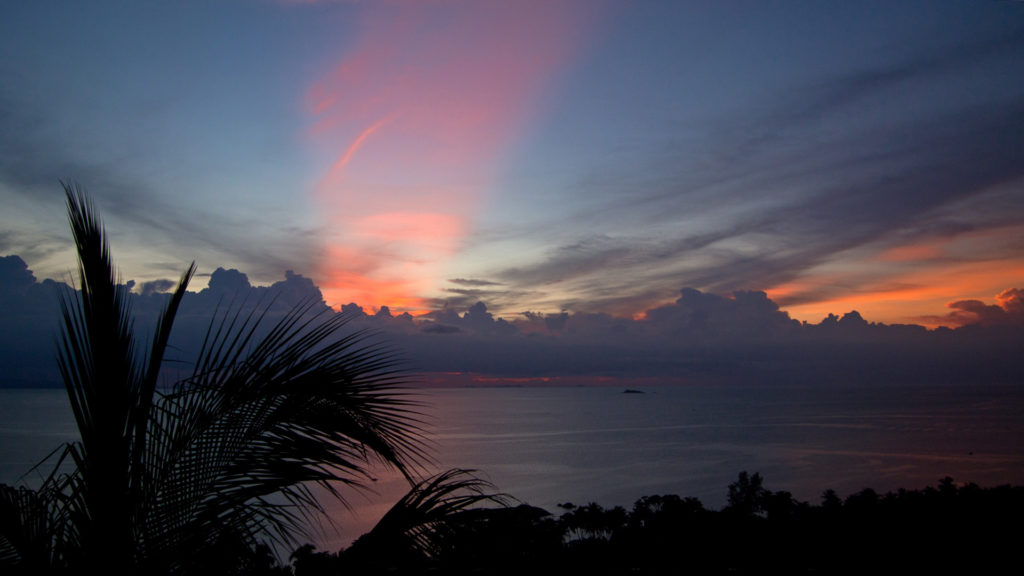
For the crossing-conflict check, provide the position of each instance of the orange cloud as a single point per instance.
(909, 297)
(912, 253)
(909, 283)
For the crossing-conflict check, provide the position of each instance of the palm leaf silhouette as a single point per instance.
(162, 480)
(422, 522)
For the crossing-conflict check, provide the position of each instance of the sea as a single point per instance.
(547, 446)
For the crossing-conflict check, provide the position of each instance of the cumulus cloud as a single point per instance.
(228, 282)
(1008, 310)
(1012, 301)
(29, 318)
(157, 286)
(15, 277)
(701, 336)
(741, 315)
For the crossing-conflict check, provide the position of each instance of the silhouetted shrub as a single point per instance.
(942, 529)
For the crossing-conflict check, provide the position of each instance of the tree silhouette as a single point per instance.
(747, 495)
(167, 480)
(434, 517)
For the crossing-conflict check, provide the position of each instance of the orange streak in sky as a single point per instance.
(335, 174)
(912, 253)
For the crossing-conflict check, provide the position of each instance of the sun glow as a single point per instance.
(416, 116)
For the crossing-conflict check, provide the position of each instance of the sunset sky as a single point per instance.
(541, 156)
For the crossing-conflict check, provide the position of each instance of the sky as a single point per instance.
(546, 159)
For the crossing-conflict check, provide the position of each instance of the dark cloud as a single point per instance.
(441, 329)
(583, 258)
(473, 282)
(15, 277)
(470, 291)
(556, 322)
(231, 288)
(912, 148)
(157, 287)
(743, 315)
(700, 336)
(227, 282)
(37, 152)
(475, 320)
(29, 316)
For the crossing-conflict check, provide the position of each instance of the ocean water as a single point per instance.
(549, 445)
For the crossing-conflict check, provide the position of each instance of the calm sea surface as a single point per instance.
(582, 444)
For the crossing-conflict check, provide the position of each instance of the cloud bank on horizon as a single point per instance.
(698, 338)
(548, 159)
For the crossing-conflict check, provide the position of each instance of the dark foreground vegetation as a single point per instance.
(943, 529)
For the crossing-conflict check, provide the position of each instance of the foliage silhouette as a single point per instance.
(174, 480)
(747, 495)
(949, 529)
(426, 524)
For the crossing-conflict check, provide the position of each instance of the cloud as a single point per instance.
(228, 282)
(743, 315)
(1008, 310)
(699, 337)
(157, 286)
(473, 282)
(15, 277)
(42, 143)
(800, 194)
(29, 317)
(1012, 301)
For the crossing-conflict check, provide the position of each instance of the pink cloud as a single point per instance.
(417, 114)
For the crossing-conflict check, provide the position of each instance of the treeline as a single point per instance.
(942, 529)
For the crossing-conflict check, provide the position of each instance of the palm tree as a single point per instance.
(163, 479)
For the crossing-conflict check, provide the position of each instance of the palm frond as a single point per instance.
(26, 529)
(97, 359)
(36, 533)
(229, 454)
(422, 519)
(149, 380)
(269, 412)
